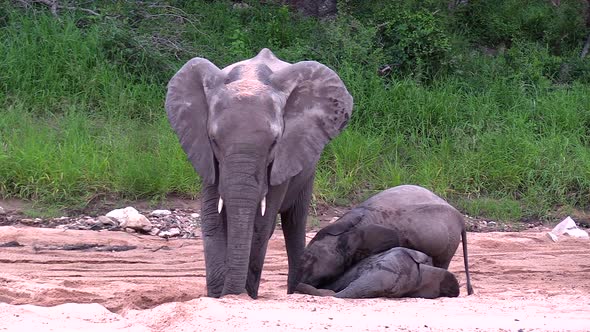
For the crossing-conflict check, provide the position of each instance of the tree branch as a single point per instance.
(54, 6)
(586, 47)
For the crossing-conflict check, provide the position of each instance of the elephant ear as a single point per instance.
(418, 256)
(345, 224)
(317, 108)
(188, 109)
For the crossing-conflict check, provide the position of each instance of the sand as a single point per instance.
(128, 282)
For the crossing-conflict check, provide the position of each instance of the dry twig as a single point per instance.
(54, 6)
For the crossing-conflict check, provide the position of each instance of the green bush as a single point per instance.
(500, 22)
(501, 132)
(414, 42)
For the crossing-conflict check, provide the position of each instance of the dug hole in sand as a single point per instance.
(68, 280)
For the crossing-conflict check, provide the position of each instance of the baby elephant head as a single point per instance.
(340, 245)
(433, 282)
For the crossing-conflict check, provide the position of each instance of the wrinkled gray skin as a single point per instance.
(254, 132)
(403, 216)
(397, 272)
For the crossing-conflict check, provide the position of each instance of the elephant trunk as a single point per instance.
(240, 224)
(241, 192)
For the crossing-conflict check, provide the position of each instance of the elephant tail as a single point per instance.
(465, 260)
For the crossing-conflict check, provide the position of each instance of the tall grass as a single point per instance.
(73, 158)
(81, 111)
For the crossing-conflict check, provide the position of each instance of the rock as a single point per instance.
(122, 214)
(129, 230)
(131, 218)
(107, 221)
(2, 210)
(170, 233)
(155, 231)
(195, 215)
(138, 222)
(160, 213)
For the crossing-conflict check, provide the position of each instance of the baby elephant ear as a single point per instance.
(187, 108)
(317, 108)
(346, 223)
(418, 256)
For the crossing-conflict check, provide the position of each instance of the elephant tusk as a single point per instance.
(263, 206)
(220, 205)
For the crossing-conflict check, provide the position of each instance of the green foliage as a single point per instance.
(496, 22)
(413, 41)
(500, 131)
(411, 34)
(496, 209)
(72, 158)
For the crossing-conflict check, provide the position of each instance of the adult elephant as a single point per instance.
(254, 132)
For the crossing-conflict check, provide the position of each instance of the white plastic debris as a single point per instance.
(568, 227)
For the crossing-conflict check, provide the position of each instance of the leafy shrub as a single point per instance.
(412, 34)
(413, 41)
(125, 50)
(496, 22)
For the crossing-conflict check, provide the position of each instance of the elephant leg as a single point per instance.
(263, 229)
(358, 289)
(214, 230)
(377, 283)
(310, 290)
(293, 222)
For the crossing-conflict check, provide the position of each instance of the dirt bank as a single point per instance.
(115, 281)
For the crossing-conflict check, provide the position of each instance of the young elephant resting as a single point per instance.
(397, 272)
(404, 216)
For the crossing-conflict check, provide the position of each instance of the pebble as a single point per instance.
(179, 223)
(137, 222)
(122, 214)
(2, 210)
(161, 213)
(170, 233)
(107, 221)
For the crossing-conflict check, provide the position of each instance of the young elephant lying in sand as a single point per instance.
(404, 216)
(397, 272)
